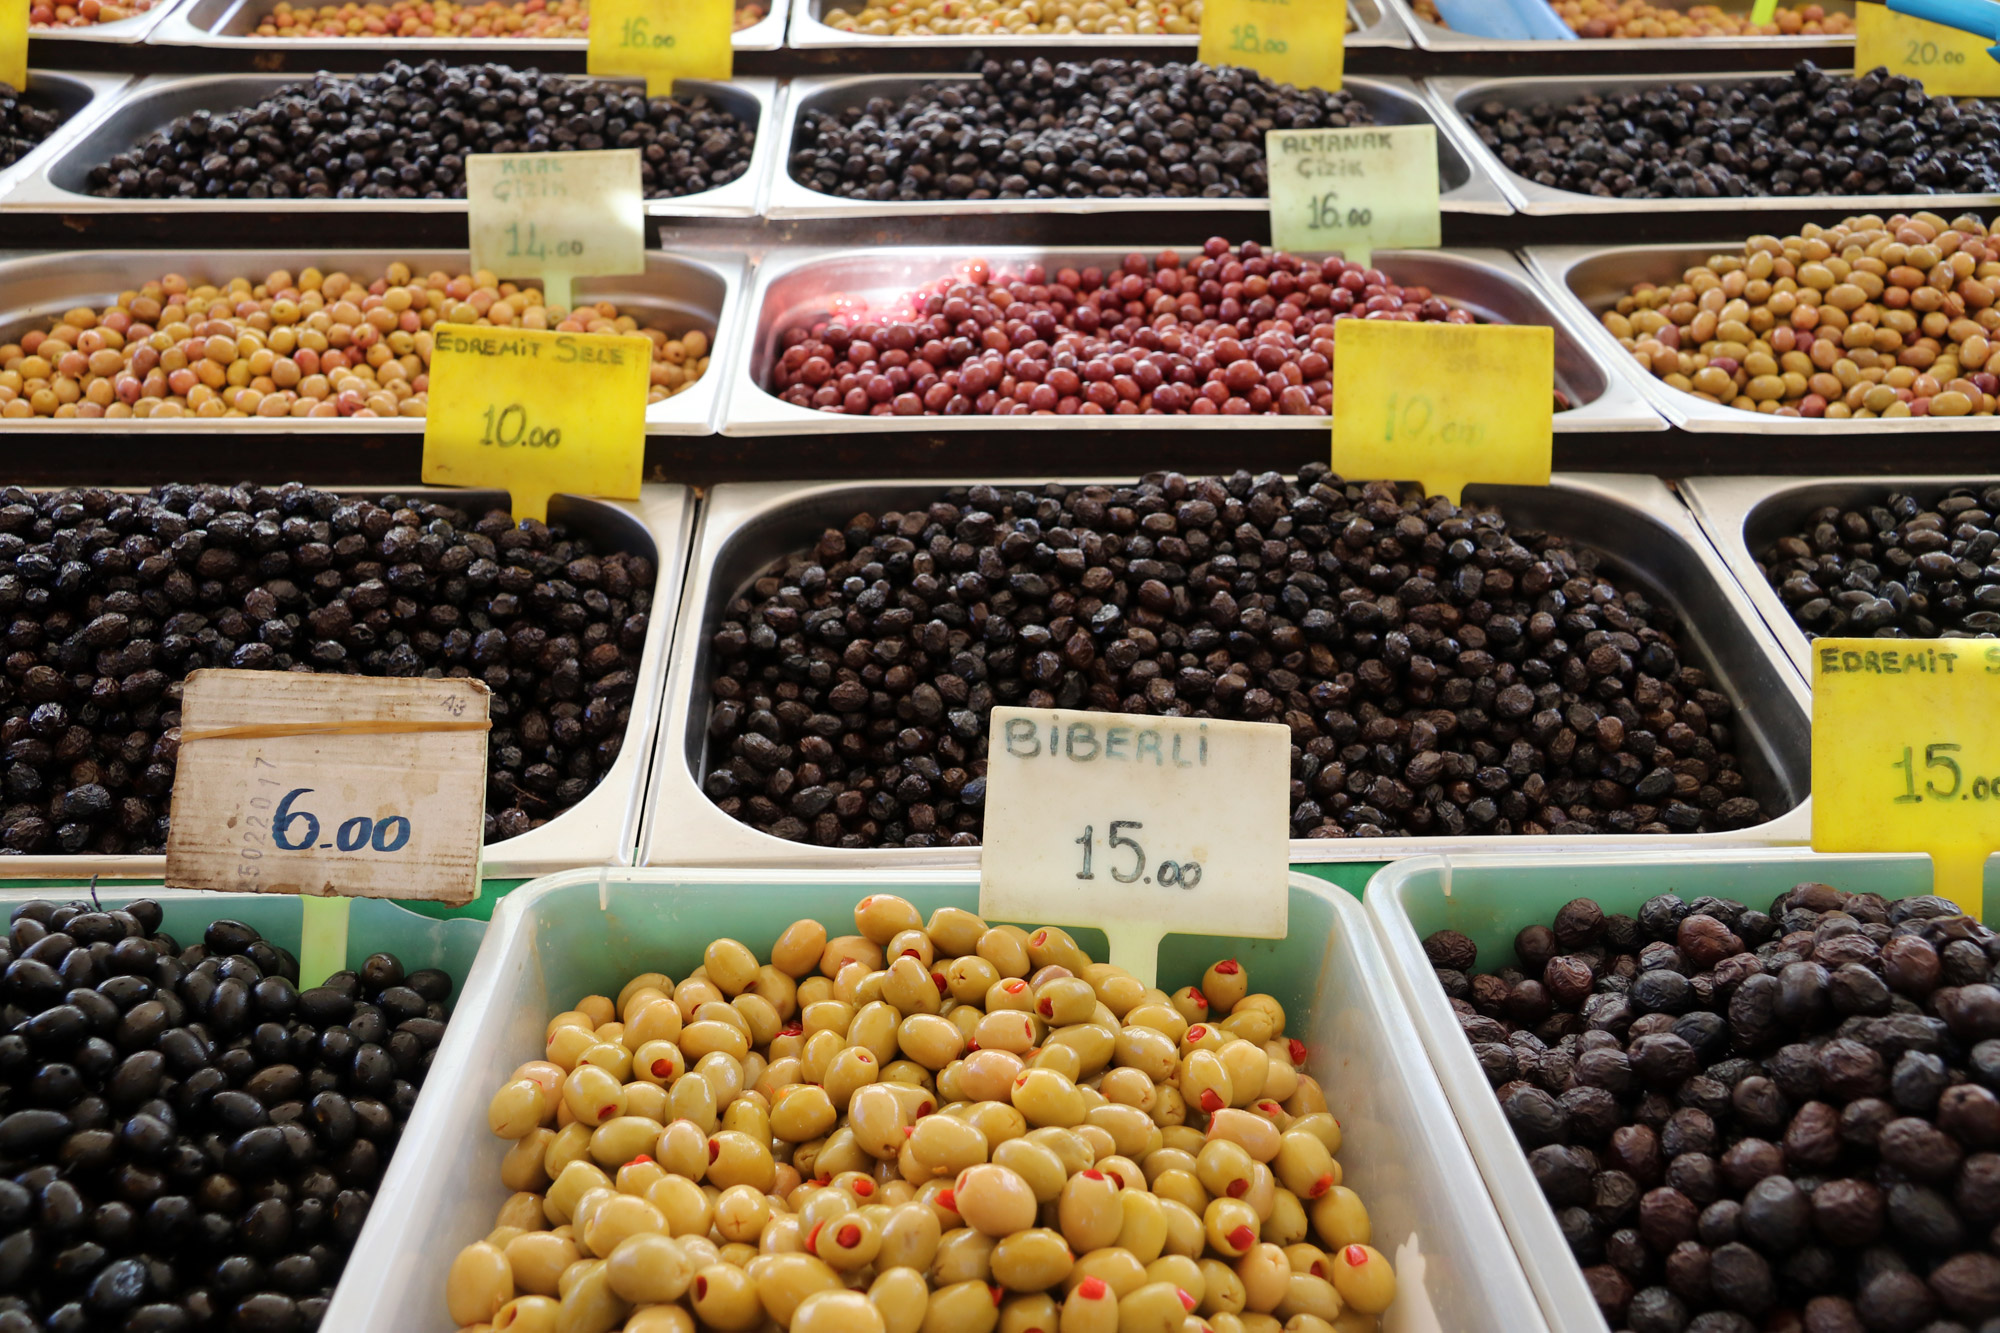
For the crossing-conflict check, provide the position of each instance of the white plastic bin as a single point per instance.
(588, 931)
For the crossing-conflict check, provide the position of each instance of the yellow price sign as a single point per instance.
(662, 40)
(1301, 42)
(1951, 63)
(536, 412)
(1443, 404)
(14, 43)
(1906, 754)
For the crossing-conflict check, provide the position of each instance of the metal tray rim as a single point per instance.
(101, 91)
(35, 190)
(121, 32)
(788, 198)
(749, 410)
(808, 33)
(1552, 265)
(1434, 37)
(680, 815)
(667, 512)
(767, 34)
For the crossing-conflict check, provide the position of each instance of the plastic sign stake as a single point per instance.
(556, 216)
(1764, 11)
(1906, 754)
(329, 786)
(1301, 42)
(1443, 404)
(1950, 61)
(1138, 825)
(662, 40)
(536, 412)
(1352, 190)
(14, 44)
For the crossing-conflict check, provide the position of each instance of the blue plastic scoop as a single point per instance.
(1506, 20)
(1981, 18)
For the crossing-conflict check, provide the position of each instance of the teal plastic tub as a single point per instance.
(1490, 899)
(582, 932)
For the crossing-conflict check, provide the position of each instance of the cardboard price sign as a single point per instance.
(329, 785)
(1136, 825)
(662, 40)
(14, 43)
(1301, 42)
(1951, 62)
(1906, 754)
(1444, 404)
(1352, 190)
(557, 216)
(537, 412)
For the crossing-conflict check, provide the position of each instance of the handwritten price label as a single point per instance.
(329, 786)
(1951, 63)
(1134, 824)
(536, 412)
(662, 40)
(1302, 42)
(14, 43)
(1352, 190)
(1443, 404)
(557, 216)
(1906, 754)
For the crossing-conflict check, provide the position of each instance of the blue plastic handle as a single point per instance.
(1542, 22)
(1979, 17)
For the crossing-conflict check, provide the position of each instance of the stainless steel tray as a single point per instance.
(1436, 37)
(1635, 521)
(121, 32)
(79, 96)
(1464, 187)
(801, 283)
(1744, 515)
(602, 828)
(148, 106)
(231, 25)
(1583, 281)
(1374, 25)
(679, 292)
(1451, 97)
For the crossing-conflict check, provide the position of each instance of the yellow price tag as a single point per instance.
(14, 43)
(1443, 404)
(1301, 42)
(1951, 63)
(1906, 754)
(537, 412)
(662, 40)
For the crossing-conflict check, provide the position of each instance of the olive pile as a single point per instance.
(24, 123)
(187, 1139)
(1806, 133)
(1898, 569)
(942, 1126)
(405, 134)
(1109, 129)
(108, 600)
(1441, 672)
(1737, 1113)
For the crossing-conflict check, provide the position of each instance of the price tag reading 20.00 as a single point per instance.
(1951, 63)
(1906, 753)
(1136, 825)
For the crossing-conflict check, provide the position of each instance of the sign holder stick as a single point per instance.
(322, 938)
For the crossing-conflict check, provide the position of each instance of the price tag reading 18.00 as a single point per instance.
(1352, 190)
(1443, 404)
(1906, 754)
(536, 413)
(1138, 825)
(1302, 42)
(556, 216)
(1950, 62)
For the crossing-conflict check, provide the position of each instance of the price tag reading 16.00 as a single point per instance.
(1352, 190)
(1906, 753)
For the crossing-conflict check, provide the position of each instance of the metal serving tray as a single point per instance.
(603, 827)
(62, 184)
(1452, 97)
(1583, 281)
(1436, 37)
(1744, 515)
(677, 292)
(120, 32)
(79, 96)
(1634, 521)
(1374, 25)
(1464, 187)
(799, 285)
(232, 24)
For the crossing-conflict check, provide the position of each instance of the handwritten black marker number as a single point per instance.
(356, 834)
(1172, 874)
(1937, 756)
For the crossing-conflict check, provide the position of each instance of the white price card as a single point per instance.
(1354, 190)
(331, 786)
(1140, 826)
(557, 216)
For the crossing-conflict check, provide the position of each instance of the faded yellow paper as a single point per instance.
(1301, 42)
(662, 40)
